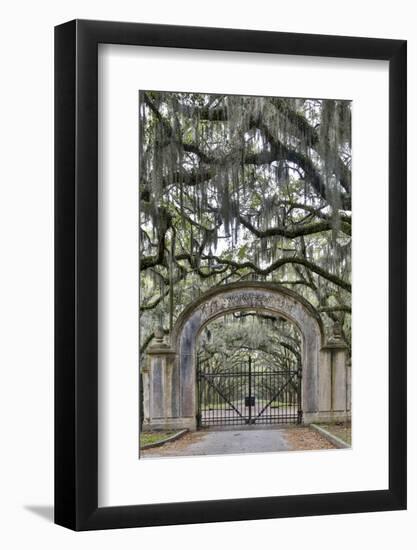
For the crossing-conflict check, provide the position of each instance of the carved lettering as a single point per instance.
(242, 299)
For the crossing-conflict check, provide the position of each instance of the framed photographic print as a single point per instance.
(230, 275)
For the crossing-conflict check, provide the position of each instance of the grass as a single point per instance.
(154, 437)
(342, 430)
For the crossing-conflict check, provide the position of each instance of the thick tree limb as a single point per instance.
(151, 261)
(328, 309)
(284, 261)
(289, 233)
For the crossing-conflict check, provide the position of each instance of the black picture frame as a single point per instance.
(76, 272)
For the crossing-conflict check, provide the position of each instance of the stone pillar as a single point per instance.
(145, 394)
(325, 380)
(157, 384)
(349, 385)
(161, 391)
(336, 368)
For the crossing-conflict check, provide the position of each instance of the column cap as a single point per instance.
(335, 341)
(160, 347)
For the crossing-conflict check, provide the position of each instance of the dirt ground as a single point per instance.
(342, 430)
(305, 439)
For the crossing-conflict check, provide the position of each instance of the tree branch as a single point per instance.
(283, 261)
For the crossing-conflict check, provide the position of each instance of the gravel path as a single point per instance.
(252, 440)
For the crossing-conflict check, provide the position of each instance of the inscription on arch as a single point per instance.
(244, 299)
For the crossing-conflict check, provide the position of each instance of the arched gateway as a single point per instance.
(169, 375)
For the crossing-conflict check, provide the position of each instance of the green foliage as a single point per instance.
(270, 340)
(146, 438)
(231, 186)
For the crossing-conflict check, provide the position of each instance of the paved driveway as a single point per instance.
(234, 441)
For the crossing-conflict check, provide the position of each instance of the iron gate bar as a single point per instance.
(277, 394)
(250, 391)
(205, 377)
(223, 397)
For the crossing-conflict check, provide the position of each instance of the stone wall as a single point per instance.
(169, 376)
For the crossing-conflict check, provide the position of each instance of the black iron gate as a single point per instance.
(248, 394)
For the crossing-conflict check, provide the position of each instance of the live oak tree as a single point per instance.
(236, 188)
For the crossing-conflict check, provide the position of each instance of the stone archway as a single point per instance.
(169, 377)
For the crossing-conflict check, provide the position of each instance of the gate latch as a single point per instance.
(250, 401)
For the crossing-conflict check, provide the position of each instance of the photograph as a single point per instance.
(185, 292)
(245, 239)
